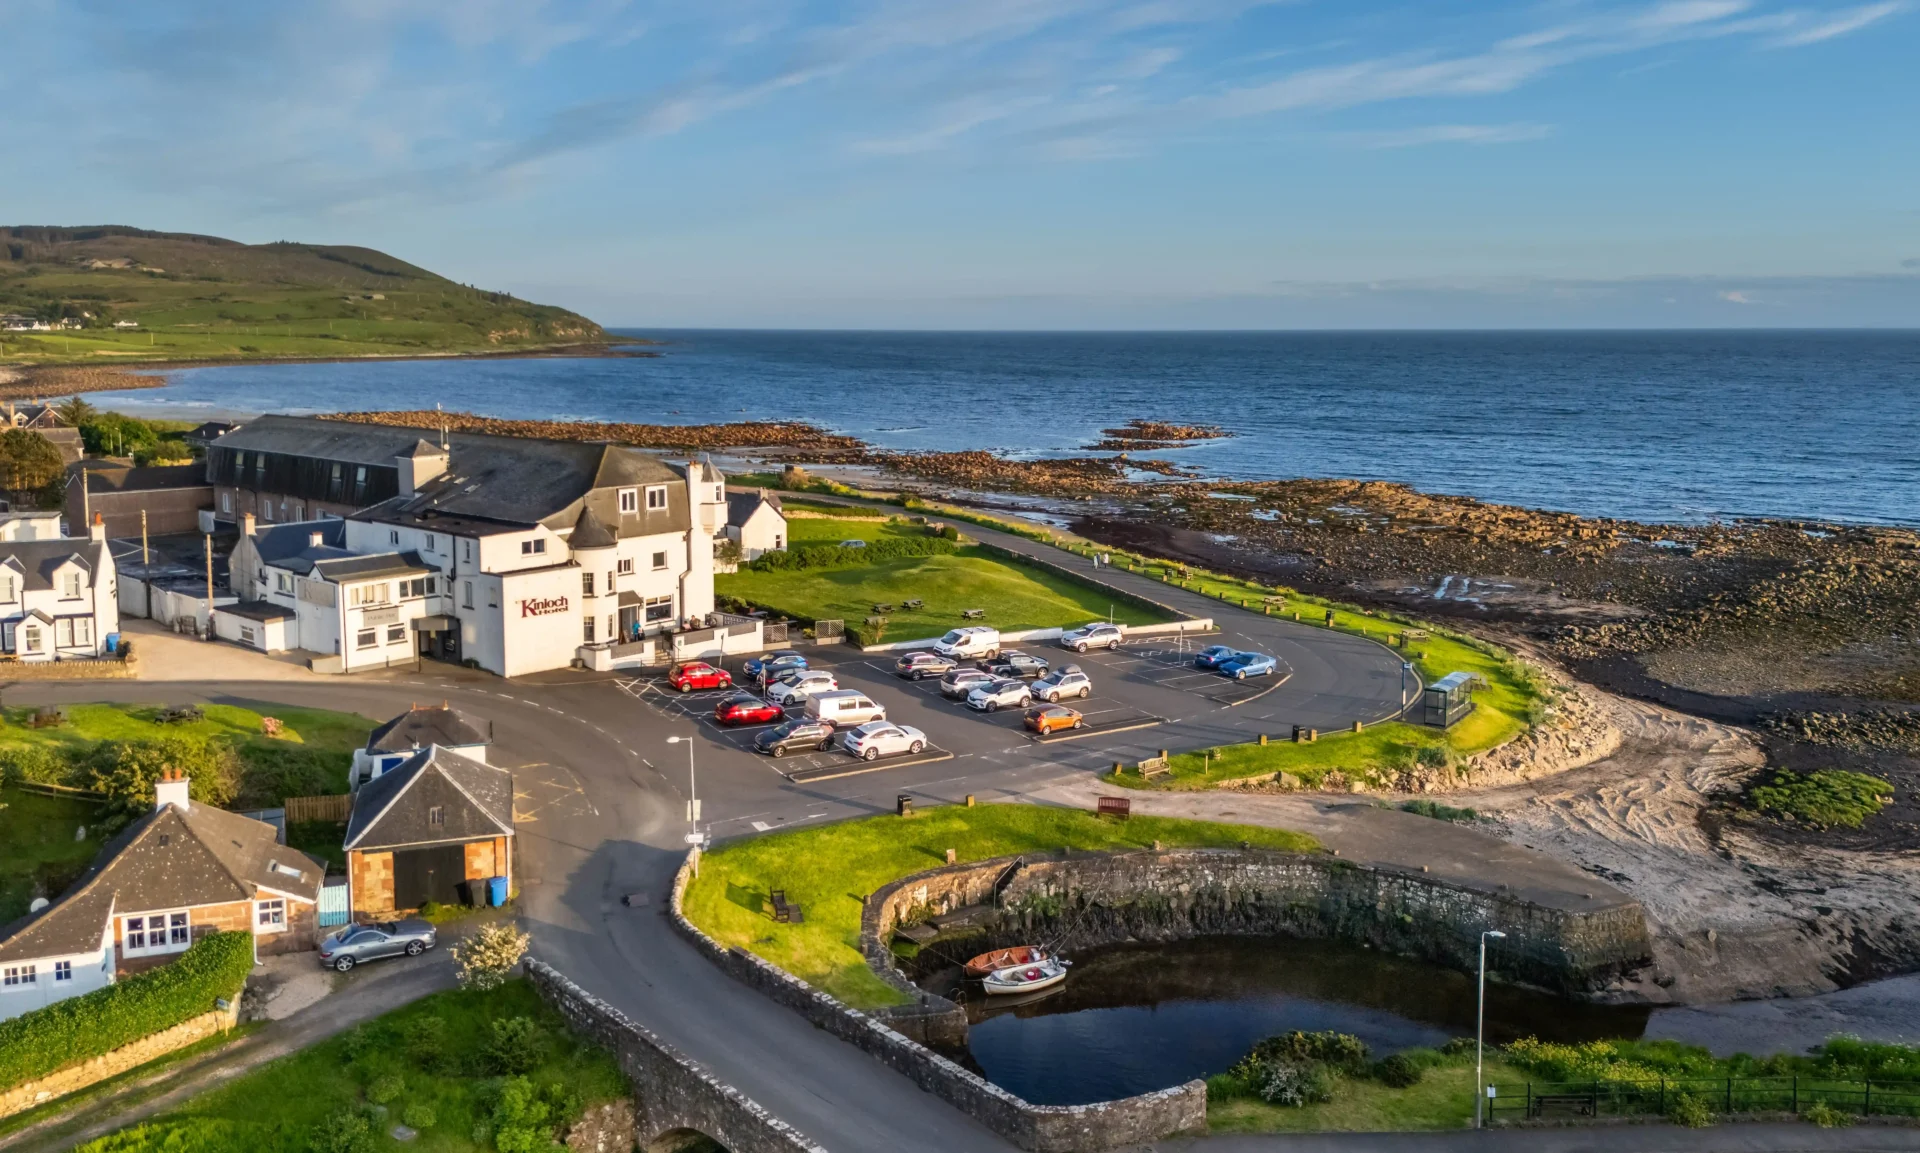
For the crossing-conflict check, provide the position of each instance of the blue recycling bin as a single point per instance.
(113, 642)
(496, 891)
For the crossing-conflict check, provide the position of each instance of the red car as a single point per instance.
(746, 709)
(699, 675)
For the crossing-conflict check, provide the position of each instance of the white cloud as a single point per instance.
(1837, 24)
(1453, 134)
(1736, 296)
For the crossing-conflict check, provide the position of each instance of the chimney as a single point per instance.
(98, 529)
(420, 464)
(246, 524)
(171, 789)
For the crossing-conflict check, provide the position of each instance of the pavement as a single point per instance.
(600, 796)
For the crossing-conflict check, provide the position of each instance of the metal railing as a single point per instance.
(1564, 1100)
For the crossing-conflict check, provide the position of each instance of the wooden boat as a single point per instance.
(1042, 974)
(1004, 959)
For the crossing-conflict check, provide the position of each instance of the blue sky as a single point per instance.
(1017, 163)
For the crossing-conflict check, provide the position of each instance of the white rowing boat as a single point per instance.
(1042, 974)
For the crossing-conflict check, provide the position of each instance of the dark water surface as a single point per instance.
(1654, 426)
(1133, 1018)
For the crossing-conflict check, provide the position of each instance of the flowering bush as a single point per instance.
(485, 959)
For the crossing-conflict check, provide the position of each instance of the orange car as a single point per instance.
(1049, 719)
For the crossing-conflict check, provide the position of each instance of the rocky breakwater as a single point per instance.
(1082, 901)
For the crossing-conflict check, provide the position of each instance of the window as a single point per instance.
(719, 493)
(466, 550)
(493, 596)
(157, 933)
(63, 970)
(31, 643)
(429, 542)
(586, 584)
(366, 638)
(393, 536)
(70, 584)
(586, 625)
(282, 583)
(659, 609)
(656, 497)
(17, 975)
(333, 484)
(71, 631)
(625, 566)
(466, 594)
(396, 634)
(437, 817)
(533, 547)
(373, 594)
(226, 501)
(6, 588)
(629, 500)
(359, 483)
(270, 916)
(659, 561)
(247, 636)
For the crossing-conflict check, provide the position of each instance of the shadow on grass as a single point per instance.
(752, 900)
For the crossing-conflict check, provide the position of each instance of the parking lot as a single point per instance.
(1144, 684)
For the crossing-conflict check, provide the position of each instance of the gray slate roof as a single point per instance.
(119, 478)
(589, 532)
(742, 505)
(39, 559)
(424, 725)
(393, 810)
(354, 568)
(166, 860)
(290, 546)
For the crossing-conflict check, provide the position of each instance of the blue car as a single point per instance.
(774, 663)
(1212, 656)
(1240, 666)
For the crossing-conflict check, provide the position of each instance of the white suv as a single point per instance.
(788, 694)
(1060, 684)
(1098, 635)
(969, 643)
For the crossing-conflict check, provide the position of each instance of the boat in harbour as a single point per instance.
(1044, 973)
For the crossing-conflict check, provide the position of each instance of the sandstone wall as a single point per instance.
(75, 1077)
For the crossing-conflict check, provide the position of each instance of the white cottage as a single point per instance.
(58, 598)
(756, 522)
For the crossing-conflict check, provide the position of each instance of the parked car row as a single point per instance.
(1236, 663)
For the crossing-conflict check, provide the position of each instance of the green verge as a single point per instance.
(1823, 799)
(1443, 1099)
(440, 1057)
(829, 870)
(39, 852)
(79, 1028)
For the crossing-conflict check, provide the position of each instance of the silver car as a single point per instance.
(357, 943)
(1004, 694)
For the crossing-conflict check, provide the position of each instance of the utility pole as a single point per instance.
(144, 559)
(209, 543)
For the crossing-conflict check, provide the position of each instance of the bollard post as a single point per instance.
(953, 858)
(969, 800)
(1358, 725)
(1263, 739)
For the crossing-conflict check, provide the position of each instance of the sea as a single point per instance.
(1654, 426)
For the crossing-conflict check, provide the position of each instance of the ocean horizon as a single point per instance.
(1682, 426)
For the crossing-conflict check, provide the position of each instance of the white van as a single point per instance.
(973, 641)
(844, 708)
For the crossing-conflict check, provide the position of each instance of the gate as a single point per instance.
(333, 903)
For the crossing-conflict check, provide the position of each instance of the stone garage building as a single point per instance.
(435, 827)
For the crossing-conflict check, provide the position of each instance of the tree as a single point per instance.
(29, 462)
(127, 770)
(484, 960)
(74, 411)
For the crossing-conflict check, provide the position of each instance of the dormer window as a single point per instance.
(656, 497)
(629, 500)
(71, 584)
(9, 590)
(533, 547)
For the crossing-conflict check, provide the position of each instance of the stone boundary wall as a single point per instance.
(1095, 899)
(91, 1072)
(1038, 1128)
(670, 1091)
(95, 669)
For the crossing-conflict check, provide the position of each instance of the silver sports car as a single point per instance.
(357, 943)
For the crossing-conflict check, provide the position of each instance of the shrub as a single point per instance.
(1823, 799)
(1826, 1116)
(424, 1041)
(1458, 1047)
(182, 1135)
(78, 1028)
(40, 764)
(524, 1117)
(880, 551)
(346, 1131)
(517, 1045)
(1688, 1110)
(1341, 1051)
(1398, 1072)
(1295, 1083)
(485, 959)
(420, 1115)
(126, 770)
(269, 774)
(386, 1089)
(1438, 811)
(1433, 757)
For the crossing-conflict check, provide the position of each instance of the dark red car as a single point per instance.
(699, 675)
(746, 709)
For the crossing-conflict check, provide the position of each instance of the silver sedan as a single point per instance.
(357, 943)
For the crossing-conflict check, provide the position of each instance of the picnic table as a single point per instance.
(882, 608)
(913, 605)
(973, 614)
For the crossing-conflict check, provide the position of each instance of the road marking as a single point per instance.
(829, 773)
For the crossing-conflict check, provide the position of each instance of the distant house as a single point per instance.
(125, 324)
(428, 829)
(756, 523)
(180, 872)
(46, 420)
(14, 322)
(199, 438)
(420, 727)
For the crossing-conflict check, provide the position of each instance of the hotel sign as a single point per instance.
(542, 606)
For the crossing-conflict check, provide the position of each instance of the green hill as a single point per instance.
(205, 298)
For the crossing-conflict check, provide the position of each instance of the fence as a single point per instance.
(333, 903)
(1550, 1100)
(334, 807)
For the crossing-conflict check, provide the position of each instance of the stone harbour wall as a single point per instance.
(671, 1093)
(1038, 1128)
(1082, 901)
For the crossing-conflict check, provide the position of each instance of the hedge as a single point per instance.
(80, 1028)
(834, 556)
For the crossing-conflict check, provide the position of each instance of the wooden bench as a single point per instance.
(1153, 767)
(1116, 807)
(883, 608)
(973, 614)
(785, 911)
(1580, 1104)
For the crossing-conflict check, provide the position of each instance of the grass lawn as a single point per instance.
(37, 844)
(443, 1067)
(1442, 1100)
(1015, 596)
(817, 530)
(829, 870)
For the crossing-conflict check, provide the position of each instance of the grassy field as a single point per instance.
(432, 1057)
(200, 298)
(1442, 1100)
(86, 724)
(830, 869)
(38, 848)
(1015, 596)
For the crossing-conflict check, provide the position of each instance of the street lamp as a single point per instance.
(693, 793)
(1405, 668)
(1480, 1028)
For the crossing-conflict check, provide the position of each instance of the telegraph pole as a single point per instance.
(209, 543)
(144, 559)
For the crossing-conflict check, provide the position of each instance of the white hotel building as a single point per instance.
(507, 552)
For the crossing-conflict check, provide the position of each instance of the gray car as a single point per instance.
(357, 943)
